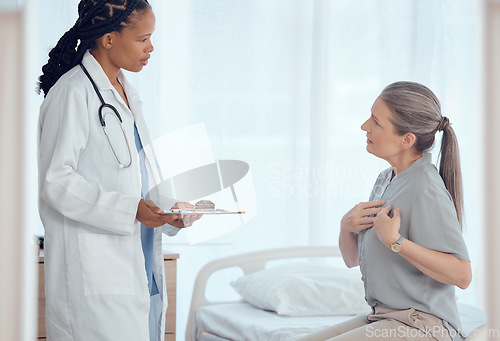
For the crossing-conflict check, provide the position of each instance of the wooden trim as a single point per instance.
(170, 263)
(41, 301)
(170, 256)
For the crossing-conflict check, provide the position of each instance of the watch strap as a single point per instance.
(396, 246)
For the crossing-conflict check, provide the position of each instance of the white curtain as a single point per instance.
(284, 85)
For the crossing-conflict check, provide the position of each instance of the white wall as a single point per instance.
(17, 259)
(11, 142)
(492, 44)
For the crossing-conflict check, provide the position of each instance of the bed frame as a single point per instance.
(249, 263)
(255, 261)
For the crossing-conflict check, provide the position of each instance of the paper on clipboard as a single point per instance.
(203, 212)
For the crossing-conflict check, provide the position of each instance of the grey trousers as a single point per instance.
(386, 324)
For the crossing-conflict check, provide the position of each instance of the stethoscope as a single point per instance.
(103, 123)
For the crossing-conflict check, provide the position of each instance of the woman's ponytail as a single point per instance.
(449, 166)
(61, 60)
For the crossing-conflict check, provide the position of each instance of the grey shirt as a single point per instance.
(429, 219)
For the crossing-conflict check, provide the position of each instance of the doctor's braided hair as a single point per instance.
(417, 110)
(95, 18)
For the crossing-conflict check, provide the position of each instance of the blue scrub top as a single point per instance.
(147, 234)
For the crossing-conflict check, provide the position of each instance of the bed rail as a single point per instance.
(249, 263)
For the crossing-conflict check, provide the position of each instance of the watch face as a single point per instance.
(396, 247)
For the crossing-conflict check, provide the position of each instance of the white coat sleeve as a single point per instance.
(63, 135)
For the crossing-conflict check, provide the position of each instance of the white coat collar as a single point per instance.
(101, 79)
(96, 72)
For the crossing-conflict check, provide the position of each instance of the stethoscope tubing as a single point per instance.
(103, 123)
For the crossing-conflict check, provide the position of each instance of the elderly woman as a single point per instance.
(408, 238)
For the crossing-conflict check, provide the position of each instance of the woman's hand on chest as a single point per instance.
(361, 216)
(387, 228)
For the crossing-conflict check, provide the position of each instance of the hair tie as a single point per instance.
(443, 123)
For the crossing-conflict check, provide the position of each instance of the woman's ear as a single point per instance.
(409, 140)
(106, 41)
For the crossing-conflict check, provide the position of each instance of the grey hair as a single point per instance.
(417, 110)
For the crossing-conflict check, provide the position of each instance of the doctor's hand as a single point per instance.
(361, 216)
(387, 228)
(149, 214)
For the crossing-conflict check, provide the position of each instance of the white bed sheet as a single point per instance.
(243, 322)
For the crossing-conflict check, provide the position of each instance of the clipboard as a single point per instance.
(200, 211)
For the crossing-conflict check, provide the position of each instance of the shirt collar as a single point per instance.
(426, 158)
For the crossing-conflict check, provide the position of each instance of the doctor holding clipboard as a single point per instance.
(104, 275)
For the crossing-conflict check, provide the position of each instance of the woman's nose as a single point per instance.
(364, 126)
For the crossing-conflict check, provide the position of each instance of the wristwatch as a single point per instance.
(396, 246)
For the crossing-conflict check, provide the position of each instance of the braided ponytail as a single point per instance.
(61, 59)
(95, 18)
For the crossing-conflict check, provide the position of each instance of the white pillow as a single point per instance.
(305, 289)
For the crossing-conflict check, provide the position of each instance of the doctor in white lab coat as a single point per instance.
(96, 283)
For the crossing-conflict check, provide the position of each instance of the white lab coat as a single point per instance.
(95, 279)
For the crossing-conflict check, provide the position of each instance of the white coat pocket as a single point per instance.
(107, 264)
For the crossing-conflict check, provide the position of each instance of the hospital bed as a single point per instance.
(239, 320)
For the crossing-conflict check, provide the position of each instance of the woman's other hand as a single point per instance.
(361, 216)
(150, 215)
(441, 266)
(387, 228)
